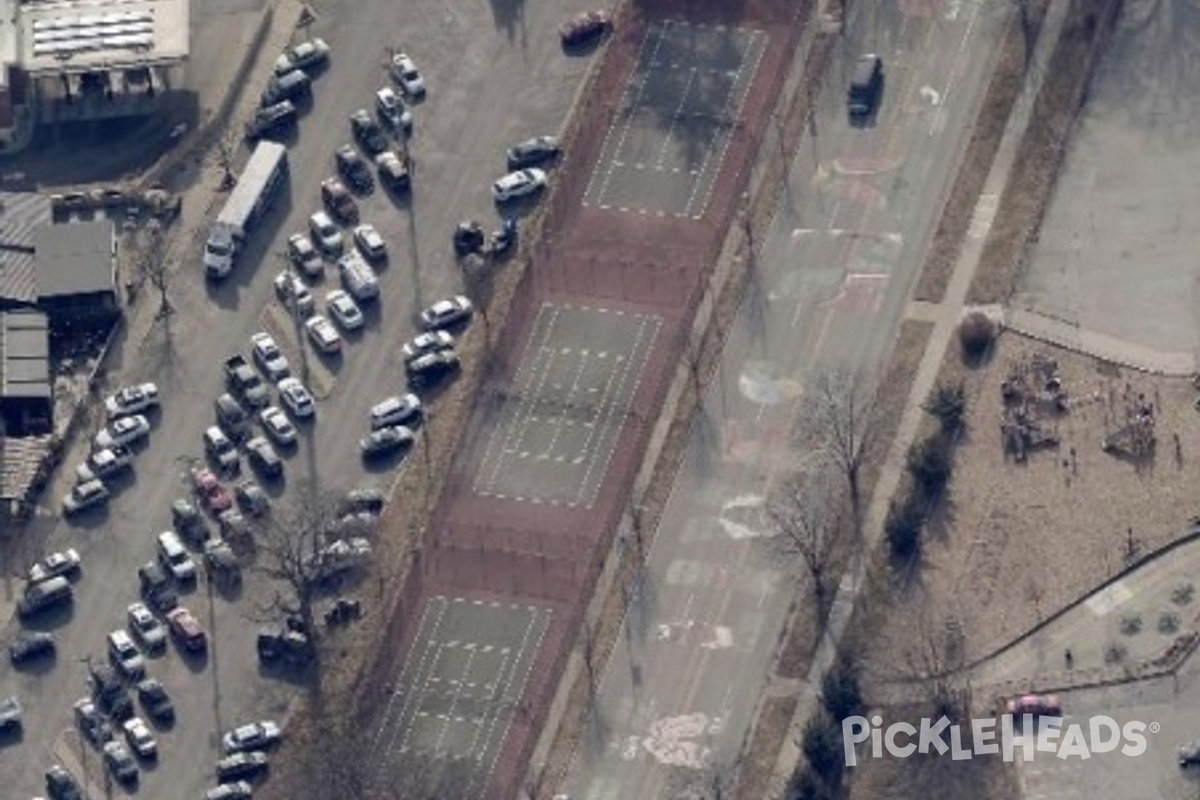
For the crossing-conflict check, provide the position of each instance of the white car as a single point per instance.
(103, 463)
(84, 496)
(304, 256)
(138, 734)
(325, 233)
(445, 313)
(428, 342)
(277, 426)
(293, 293)
(303, 56)
(297, 398)
(237, 790)
(396, 410)
(125, 655)
(269, 357)
(124, 431)
(344, 310)
(407, 75)
(370, 243)
(132, 400)
(255, 736)
(146, 627)
(66, 562)
(323, 335)
(518, 184)
(392, 111)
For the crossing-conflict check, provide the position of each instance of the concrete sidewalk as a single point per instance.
(946, 317)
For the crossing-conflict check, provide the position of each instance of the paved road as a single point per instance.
(1115, 253)
(835, 273)
(492, 78)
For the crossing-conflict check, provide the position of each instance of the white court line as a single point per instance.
(956, 67)
(591, 463)
(675, 118)
(637, 101)
(559, 421)
(531, 361)
(727, 118)
(449, 715)
(402, 683)
(524, 680)
(491, 709)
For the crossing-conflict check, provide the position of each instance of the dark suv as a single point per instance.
(368, 132)
(866, 86)
(353, 169)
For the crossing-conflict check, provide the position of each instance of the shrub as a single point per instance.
(840, 691)
(929, 463)
(822, 746)
(903, 526)
(806, 786)
(948, 404)
(976, 333)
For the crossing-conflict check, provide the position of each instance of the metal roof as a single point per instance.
(74, 36)
(24, 355)
(21, 214)
(75, 258)
(19, 460)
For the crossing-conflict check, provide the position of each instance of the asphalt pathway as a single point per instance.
(831, 282)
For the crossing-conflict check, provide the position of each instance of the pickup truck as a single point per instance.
(244, 381)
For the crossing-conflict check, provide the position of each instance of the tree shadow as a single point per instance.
(509, 17)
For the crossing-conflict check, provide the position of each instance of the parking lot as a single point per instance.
(667, 141)
(458, 690)
(553, 435)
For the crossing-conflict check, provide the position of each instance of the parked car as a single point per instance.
(367, 132)
(396, 410)
(11, 714)
(119, 762)
(306, 56)
(339, 201)
(294, 85)
(156, 587)
(278, 427)
(405, 73)
(232, 416)
(296, 398)
(186, 519)
(341, 555)
(392, 111)
(363, 500)
(518, 184)
(155, 700)
(222, 451)
(146, 627)
(91, 723)
(284, 644)
(241, 765)
(212, 494)
(393, 171)
(468, 238)
(384, 441)
(1188, 754)
(83, 496)
(1039, 705)
(140, 738)
(293, 293)
(353, 169)
(429, 342)
(370, 243)
(866, 86)
(447, 313)
(254, 736)
(31, 646)
(532, 152)
(105, 463)
(222, 563)
(270, 358)
(323, 335)
(175, 558)
(132, 400)
(61, 785)
(325, 233)
(304, 256)
(263, 458)
(238, 790)
(429, 368)
(251, 498)
(124, 431)
(584, 27)
(343, 310)
(65, 562)
(276, 120)
(187, 629)
(125, 655)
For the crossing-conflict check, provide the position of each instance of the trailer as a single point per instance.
(263, 176)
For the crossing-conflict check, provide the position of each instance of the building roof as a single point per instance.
(21, 214)
(24, 355)
(75, 258)
(19, 462)
(73, 36)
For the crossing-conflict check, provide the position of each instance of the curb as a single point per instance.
(1068, 336)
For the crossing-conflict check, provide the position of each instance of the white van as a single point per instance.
(358, 278)
(175, 558)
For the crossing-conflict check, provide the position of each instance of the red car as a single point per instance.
(215, 497)
(585, 27)
(187, 629)
(1039, 705)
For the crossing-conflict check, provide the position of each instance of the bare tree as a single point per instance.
(714, 781)
(226, 148)
(935, 656)
(587, 648)
(839, 420)
(151, 264)
(804, 514)
(288, 548)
